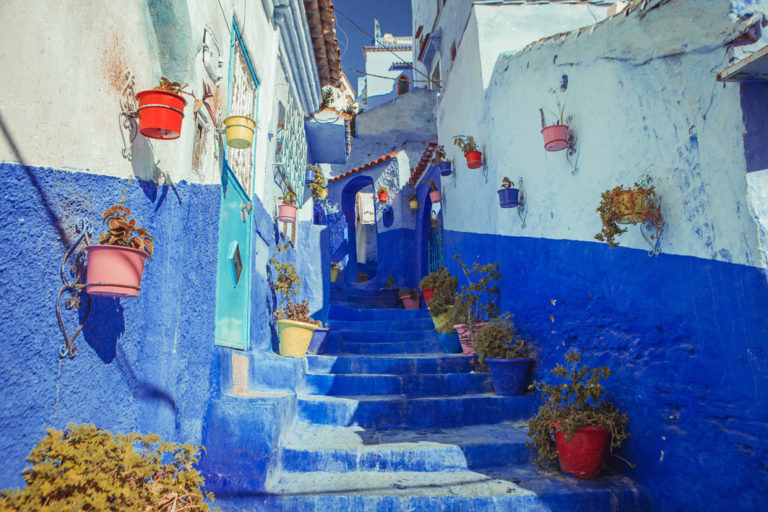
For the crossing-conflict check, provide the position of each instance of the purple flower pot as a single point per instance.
(444, 168)
(508, 197)
(317, 343)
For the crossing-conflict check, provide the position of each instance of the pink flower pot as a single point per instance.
(114, 271)
(410, 301)
(286, 213)
(467, 338)
(435, 196)
(555, 137)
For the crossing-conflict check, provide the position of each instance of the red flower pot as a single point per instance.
(555, 137)
(428, 293)
(474, 159)
(467, 338)
(383, 196)
(435, 196)
(286, 213)
(410, 301)
(160, 114)
(583, 455)
(114, 271)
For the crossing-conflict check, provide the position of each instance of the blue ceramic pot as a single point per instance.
(508, 197)
(449, 342)
(317, 343)
(510, 376)
(445, 168)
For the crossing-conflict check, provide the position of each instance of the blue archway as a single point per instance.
(348, 194)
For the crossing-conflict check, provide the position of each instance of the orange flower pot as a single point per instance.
(160, 114)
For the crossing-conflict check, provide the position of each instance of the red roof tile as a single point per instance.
(379, 160)
(426, 157)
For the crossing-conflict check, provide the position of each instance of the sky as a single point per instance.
(394, 18)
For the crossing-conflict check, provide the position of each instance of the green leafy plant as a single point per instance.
(351, 110)
(326, 97)
(475, 302)
(124, 232)
(444, 286)
(506, 183)
(577, 401)
(628, 205)
(86, 468)
(465, 142)
(499, 340)
(318, 188)
(438, 156)
(289, 197)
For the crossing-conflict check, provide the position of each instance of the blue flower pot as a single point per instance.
(449, 342)
(508, 197)
(317, 343)
(510, 376)
(309, 176)
(444, 168)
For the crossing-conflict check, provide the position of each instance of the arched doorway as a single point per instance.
(431, 237)
(361, 237)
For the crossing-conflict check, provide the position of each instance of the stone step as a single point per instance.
(399, 411)
(494, 489)
(421, 324)
(397, 347)
(389, 335)
(344, 449)
(342, 312)
(367, 364)
(420, 385)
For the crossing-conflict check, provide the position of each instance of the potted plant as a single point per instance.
(413, 202)
(287, 210)
(161, 110)
(468, 146)
(239, 130)
(317, 185)
(115, 267)
(556, 135)
(438, 159)
(439, 288)
(335, 267)
(294, 325)
(630, 205)
(434, 194)
(508, 194)
(383, 195)
(474, 305)
(318, 340)
(576, 425)
(502, 352)
(409, 297)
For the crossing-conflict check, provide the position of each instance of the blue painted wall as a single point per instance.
(147, 363)
(755, 117)
(686, 338)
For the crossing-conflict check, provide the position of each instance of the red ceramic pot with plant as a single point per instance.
(160, 114)
(383, 196)
(428, 293)
(582, 455)
(474, 159)
(555, 137)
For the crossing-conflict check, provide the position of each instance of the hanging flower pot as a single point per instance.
(468, 146)
(160, 114)
(287, 213)
(294, 337)
(444, 168)
(508, 195)
(239, 131)
(583, 455)
(474, 159)
(114, 271)
(435, 196)
(383, 195)
(414, 204)
(555, 137)
(309, 176)
(334, 272)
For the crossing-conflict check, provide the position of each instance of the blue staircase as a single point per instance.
(387, 422)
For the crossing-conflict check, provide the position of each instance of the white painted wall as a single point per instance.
(637, 101)
(378, 62)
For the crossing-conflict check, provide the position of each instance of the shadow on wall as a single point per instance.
(105, 326)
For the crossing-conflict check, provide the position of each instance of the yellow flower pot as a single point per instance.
(440, 321)
(240, 131)
(414, 204)
(294, 337)
(323, 194)
(334, 274)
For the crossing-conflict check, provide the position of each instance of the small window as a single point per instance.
(403, 85)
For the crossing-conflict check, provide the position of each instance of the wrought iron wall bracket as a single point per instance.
(572, 152)
(129, 111)
(522, 204)
(73, 285)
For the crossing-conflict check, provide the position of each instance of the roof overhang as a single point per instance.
(328, 137)
(749, 69)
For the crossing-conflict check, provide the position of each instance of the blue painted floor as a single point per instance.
(387, 422)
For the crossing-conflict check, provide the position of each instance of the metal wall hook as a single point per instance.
(129, 111)
(572, 152)
(72, 283)
(522, 205)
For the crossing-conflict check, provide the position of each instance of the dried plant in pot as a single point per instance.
(439, 159)
(287, 208)
(576, 425)
(410, 298)
(468, 146)
(116, 266)
(317, 185)
(439, 288)
(505, 354)
(555, 135)
(294, 324)
(475, 304)
(628, 205)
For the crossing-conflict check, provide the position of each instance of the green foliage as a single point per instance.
(498, 340)
(444, 285)
(85, 468)
(627, 205)
(318, 188)
(574, 403)
(465, 142)
(475, 302)
(350, 110)
(288, 281)
(123, 232)
(326, 97)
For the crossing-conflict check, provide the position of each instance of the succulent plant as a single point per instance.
(124, 232)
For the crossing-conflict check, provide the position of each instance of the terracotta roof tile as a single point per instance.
(379, 160)
(322, 30)
(423, 164)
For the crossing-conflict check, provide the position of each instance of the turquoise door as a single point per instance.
(233, 280)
